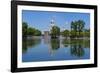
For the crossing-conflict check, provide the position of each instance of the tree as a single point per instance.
(72, 33)
(65, 33)
(24, 29)
(73, 29)
(55, 32)
(80, 26)
(33, 32)
(37, 32)
(30, 31)
(77, 27)
(87, 32)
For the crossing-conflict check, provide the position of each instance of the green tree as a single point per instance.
(55, 32)
(73, 29)
(24, 29)
(72, 33)
(30, 31)
(65, 33)
(87, 32)
(80, 26)
(37, 32)
(77, 27)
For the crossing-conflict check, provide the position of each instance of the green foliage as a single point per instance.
(37, 32)
(87, 32)
(55, 31)
(80, 25)
(24, 29)
(73, 29)
(77, 30)
(77, 27)
(65, 33)
(33, 31)
(30, 31)
(74, 26)
(73, 33)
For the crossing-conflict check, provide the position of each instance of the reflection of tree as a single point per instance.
(24, 45)
(33, 42)
(55, 44)
(86, 43)
(77, 49)
(65, 42)
(28, 43)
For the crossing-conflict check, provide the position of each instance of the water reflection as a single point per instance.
(65, 42)
(77, 50)
(24, 45)
(75, 47)
(55, 44)
(30, 43)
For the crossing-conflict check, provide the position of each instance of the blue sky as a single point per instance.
(41, 19)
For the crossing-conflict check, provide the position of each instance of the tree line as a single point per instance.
(29, 31)
(77, 30)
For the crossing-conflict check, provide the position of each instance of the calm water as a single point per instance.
(44, 49)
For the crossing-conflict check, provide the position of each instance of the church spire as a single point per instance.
(52, 22)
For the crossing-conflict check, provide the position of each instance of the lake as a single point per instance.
(47, 49)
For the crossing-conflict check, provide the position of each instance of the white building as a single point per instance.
(52, 23)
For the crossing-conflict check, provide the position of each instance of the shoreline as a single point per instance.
(49, 37)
